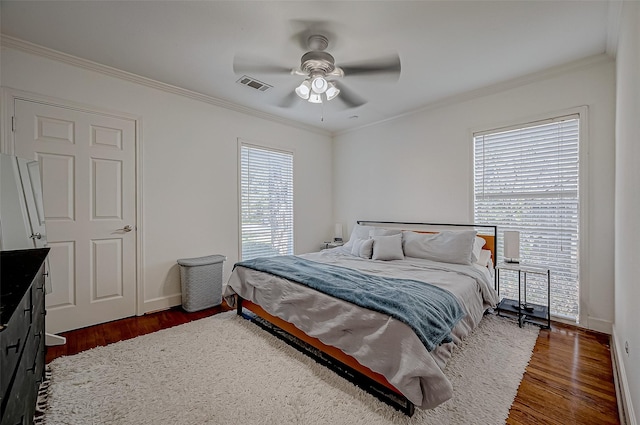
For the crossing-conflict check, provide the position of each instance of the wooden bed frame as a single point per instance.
(327, 355)
(334, 358)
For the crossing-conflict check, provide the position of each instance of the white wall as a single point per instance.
(419, 167)
(627, 205)
(189, 170)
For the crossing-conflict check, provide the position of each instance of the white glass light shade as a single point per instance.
(304, 89)
(315, 98)
(332, 91)
(337, 232)
(512, 246)
(319, 85)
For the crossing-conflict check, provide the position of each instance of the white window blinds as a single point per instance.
(526, 179)
(266, 202)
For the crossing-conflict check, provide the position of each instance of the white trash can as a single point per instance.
(201, 281)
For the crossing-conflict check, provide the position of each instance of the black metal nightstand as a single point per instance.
(526, 312)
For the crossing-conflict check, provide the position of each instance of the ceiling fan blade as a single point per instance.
(246, 66)
(390, 65)
(289, 100)
(349, 97)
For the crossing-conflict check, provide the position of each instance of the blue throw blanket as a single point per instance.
(430, 311)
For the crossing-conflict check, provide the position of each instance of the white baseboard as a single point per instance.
(600, 325)
(161, 303)
(625, 404)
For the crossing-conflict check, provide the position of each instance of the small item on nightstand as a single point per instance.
(334, 244)
(526, 307)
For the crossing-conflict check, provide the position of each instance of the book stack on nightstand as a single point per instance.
(521, 309)
(334, 244)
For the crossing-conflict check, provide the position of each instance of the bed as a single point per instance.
(328, 304)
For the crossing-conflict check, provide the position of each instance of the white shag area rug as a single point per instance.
(226, 370)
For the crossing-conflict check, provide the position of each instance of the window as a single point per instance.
(526, 179)
(266, 202)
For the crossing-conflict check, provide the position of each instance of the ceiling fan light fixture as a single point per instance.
(320, 73)
(304, 89)
(319, 84)
(332, 91)
(315, 98)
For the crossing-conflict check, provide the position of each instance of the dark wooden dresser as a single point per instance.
(21, 333)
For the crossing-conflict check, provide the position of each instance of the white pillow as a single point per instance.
(447, 246)
(477, 247)
(362, 248)
(359, 232)
(387, 247)
(378, 231)
(484, 258)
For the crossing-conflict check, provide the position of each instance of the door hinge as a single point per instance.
(13, 124)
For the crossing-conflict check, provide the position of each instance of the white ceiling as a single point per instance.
(446, 47)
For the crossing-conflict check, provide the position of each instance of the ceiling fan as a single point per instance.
(322, 74)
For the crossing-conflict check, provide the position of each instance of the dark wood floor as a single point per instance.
(569, 379)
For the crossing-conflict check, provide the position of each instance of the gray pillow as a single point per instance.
(379, 231)
(387, 247)
(447, 247)
(362, 248)
(359, 232)
(485, 258)
(477, 248)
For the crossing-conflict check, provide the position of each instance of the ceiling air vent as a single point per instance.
(253, 83)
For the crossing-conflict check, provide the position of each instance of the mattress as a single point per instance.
(376, 340)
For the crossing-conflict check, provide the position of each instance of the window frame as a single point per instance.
(583, 190)
(263, 146)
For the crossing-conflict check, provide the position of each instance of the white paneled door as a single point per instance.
(87, 162)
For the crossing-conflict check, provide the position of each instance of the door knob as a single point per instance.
(36, 236)
(126, 228)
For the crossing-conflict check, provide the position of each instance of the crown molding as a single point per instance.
(615, 10)
(493, 89)
(613, 27)
(38, 50)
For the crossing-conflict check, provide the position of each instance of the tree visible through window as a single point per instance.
(266, 202)
(526, 179)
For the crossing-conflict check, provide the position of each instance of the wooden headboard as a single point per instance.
(487, 232)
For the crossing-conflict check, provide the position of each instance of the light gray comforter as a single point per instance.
(380, 342)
